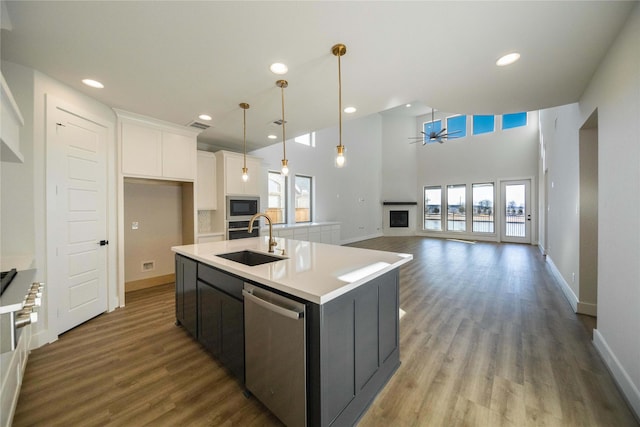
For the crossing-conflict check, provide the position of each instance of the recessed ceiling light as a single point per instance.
(407, 105)
(93, 83)
(204, 117)
(508, 59)
(272, 137)
(350, 110)
(278, 68)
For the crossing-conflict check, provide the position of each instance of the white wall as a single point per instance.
(615, 92)
(398, 159)
(560, 130)
(490, 157)
(30, 89)
(349, 195)
(17, 208)
(157, 208)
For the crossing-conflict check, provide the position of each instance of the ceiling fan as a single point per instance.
(433, 136)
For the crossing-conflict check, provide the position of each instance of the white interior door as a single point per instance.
(76, 217)
(516, 211)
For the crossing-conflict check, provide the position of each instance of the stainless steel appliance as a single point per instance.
(275, 356)
(240, 230)
(242, 208)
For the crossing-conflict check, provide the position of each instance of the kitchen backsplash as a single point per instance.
(204, 222)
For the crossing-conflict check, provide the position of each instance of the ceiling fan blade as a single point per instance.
(441, 131)
(454, 132)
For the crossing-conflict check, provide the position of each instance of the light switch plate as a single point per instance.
(134, 225)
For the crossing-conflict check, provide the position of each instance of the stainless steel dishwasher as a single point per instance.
(275, 356)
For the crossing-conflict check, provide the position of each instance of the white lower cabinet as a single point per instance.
(319, 233)
(13, 364)
(209, 239)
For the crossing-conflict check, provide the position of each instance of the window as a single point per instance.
(457, 127)
(483, 219)
(434, 126)
(483, 124)
(514, 120)
(433, 208)
(277, 208)
(456, 212)
(303, 198)
(308, 139)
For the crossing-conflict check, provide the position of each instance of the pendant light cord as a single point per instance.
(284, 139)
(244, 128)
(340, 100)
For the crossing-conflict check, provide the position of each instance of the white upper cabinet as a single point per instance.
(232, 167)
(154, 149)
(141, 150)
(179, 156)
(206, 181)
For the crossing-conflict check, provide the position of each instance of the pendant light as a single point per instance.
(245, 171)
(339, 50)
(285, 163)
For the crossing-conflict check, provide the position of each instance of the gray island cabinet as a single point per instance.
(351, 300)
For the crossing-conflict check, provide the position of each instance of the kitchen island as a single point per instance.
(351, 324)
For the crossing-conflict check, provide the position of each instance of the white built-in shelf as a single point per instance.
(12, 121)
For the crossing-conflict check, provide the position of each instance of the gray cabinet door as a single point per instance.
(389, 317)
(338, 356)
(366, 336)
(209, 301)
(186, 294)
(221, 325)
(232, 335)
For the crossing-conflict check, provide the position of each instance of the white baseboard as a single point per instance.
(620, 376)
(566, 289)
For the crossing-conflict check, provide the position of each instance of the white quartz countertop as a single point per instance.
(315, 272)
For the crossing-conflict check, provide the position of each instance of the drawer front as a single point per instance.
(229, 284)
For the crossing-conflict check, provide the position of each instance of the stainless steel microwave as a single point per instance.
(242, 207)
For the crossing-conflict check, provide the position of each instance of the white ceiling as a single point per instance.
(173, 60)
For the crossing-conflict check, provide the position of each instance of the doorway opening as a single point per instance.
(588, 249)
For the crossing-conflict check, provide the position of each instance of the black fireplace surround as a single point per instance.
(398, 218)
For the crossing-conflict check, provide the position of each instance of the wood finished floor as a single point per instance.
(487, 340)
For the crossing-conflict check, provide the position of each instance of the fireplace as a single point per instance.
(398, 219)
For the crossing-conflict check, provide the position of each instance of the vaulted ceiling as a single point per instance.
(174, 60)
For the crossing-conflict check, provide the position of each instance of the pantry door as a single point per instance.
(76, 217)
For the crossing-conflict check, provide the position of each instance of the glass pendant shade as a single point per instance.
(340, 157)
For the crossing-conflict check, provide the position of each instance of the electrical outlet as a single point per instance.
(134, 225)
(573, 277)
(148, 265)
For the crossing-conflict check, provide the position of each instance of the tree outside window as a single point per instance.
(277, 204)
(303, 198)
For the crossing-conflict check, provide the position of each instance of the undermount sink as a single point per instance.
(250, 258)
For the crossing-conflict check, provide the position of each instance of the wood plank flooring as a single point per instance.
(487, 340)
